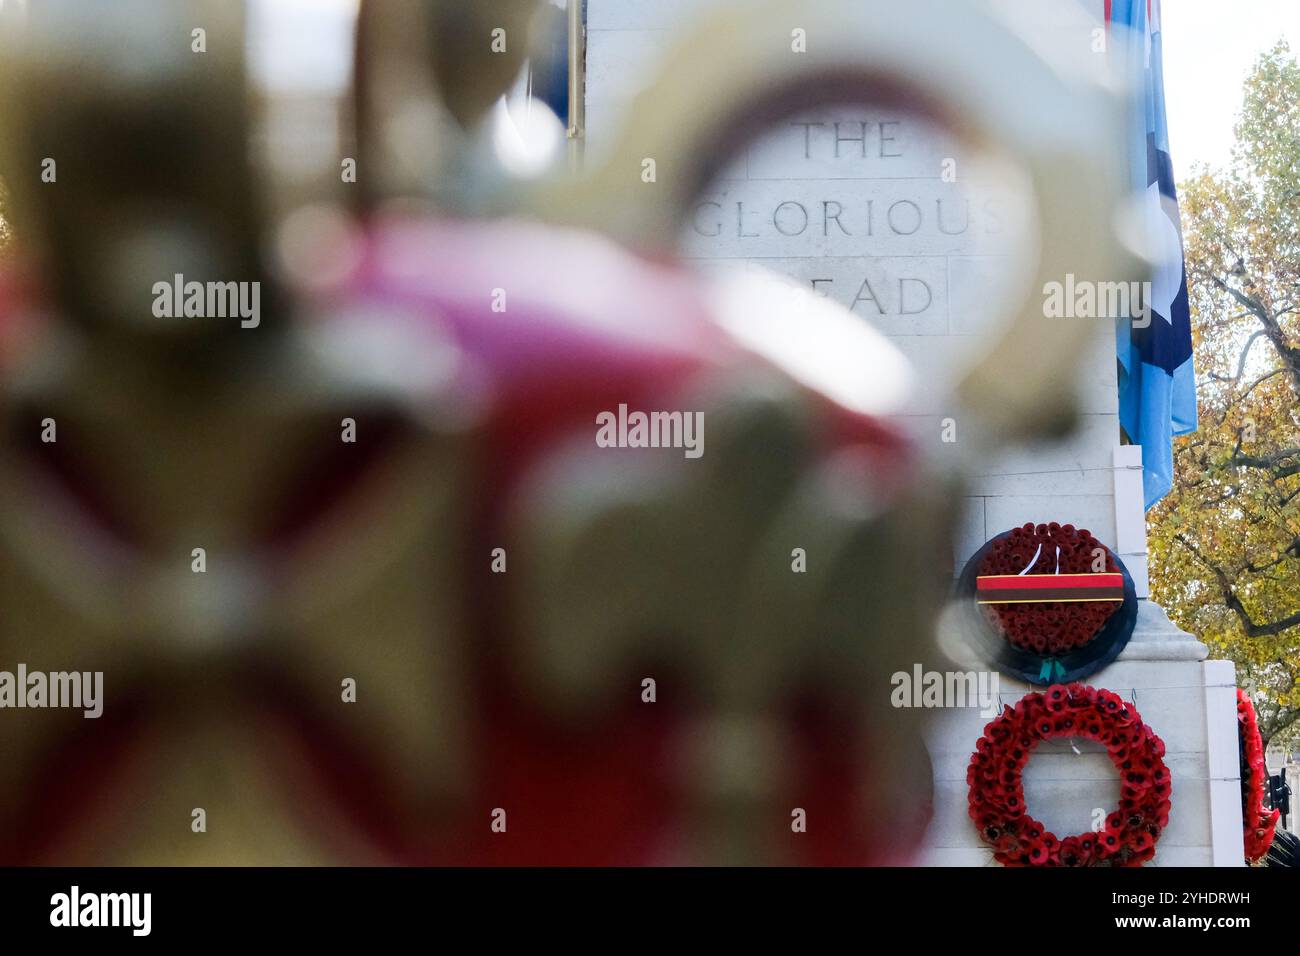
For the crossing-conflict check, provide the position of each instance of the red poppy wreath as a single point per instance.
(1049, 588)
(997, 795)
(1259, 824)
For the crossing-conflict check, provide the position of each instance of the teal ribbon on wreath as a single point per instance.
(1050, 667)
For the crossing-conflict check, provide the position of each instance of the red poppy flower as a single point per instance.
(1138, 780)
(1137, 858)
(1070, 852)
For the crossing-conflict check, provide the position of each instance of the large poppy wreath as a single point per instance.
(997, 795)
(1260, 825)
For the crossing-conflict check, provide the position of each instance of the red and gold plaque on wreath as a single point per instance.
(1048, 602)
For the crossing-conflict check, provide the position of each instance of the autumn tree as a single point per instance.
(1225, 543)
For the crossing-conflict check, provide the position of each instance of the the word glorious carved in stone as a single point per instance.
(792, 218)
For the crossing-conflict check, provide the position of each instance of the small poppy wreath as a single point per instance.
(1046, 603)
(1049, 549)
(1259, 824)
(997, 795)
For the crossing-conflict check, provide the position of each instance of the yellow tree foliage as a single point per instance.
(1225, 543)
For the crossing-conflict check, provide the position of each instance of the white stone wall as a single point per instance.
(1070, 482)
(1186, 702)
(756, 214)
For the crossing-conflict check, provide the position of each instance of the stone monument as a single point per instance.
(883, 213)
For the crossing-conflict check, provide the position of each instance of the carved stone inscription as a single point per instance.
(875, 212)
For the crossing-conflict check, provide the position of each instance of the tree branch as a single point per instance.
(1233, 603)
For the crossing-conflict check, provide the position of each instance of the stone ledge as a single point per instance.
(1156, 638)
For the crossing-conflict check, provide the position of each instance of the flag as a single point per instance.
(1157, 382)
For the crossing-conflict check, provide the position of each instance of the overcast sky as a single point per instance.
(1210, 46)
